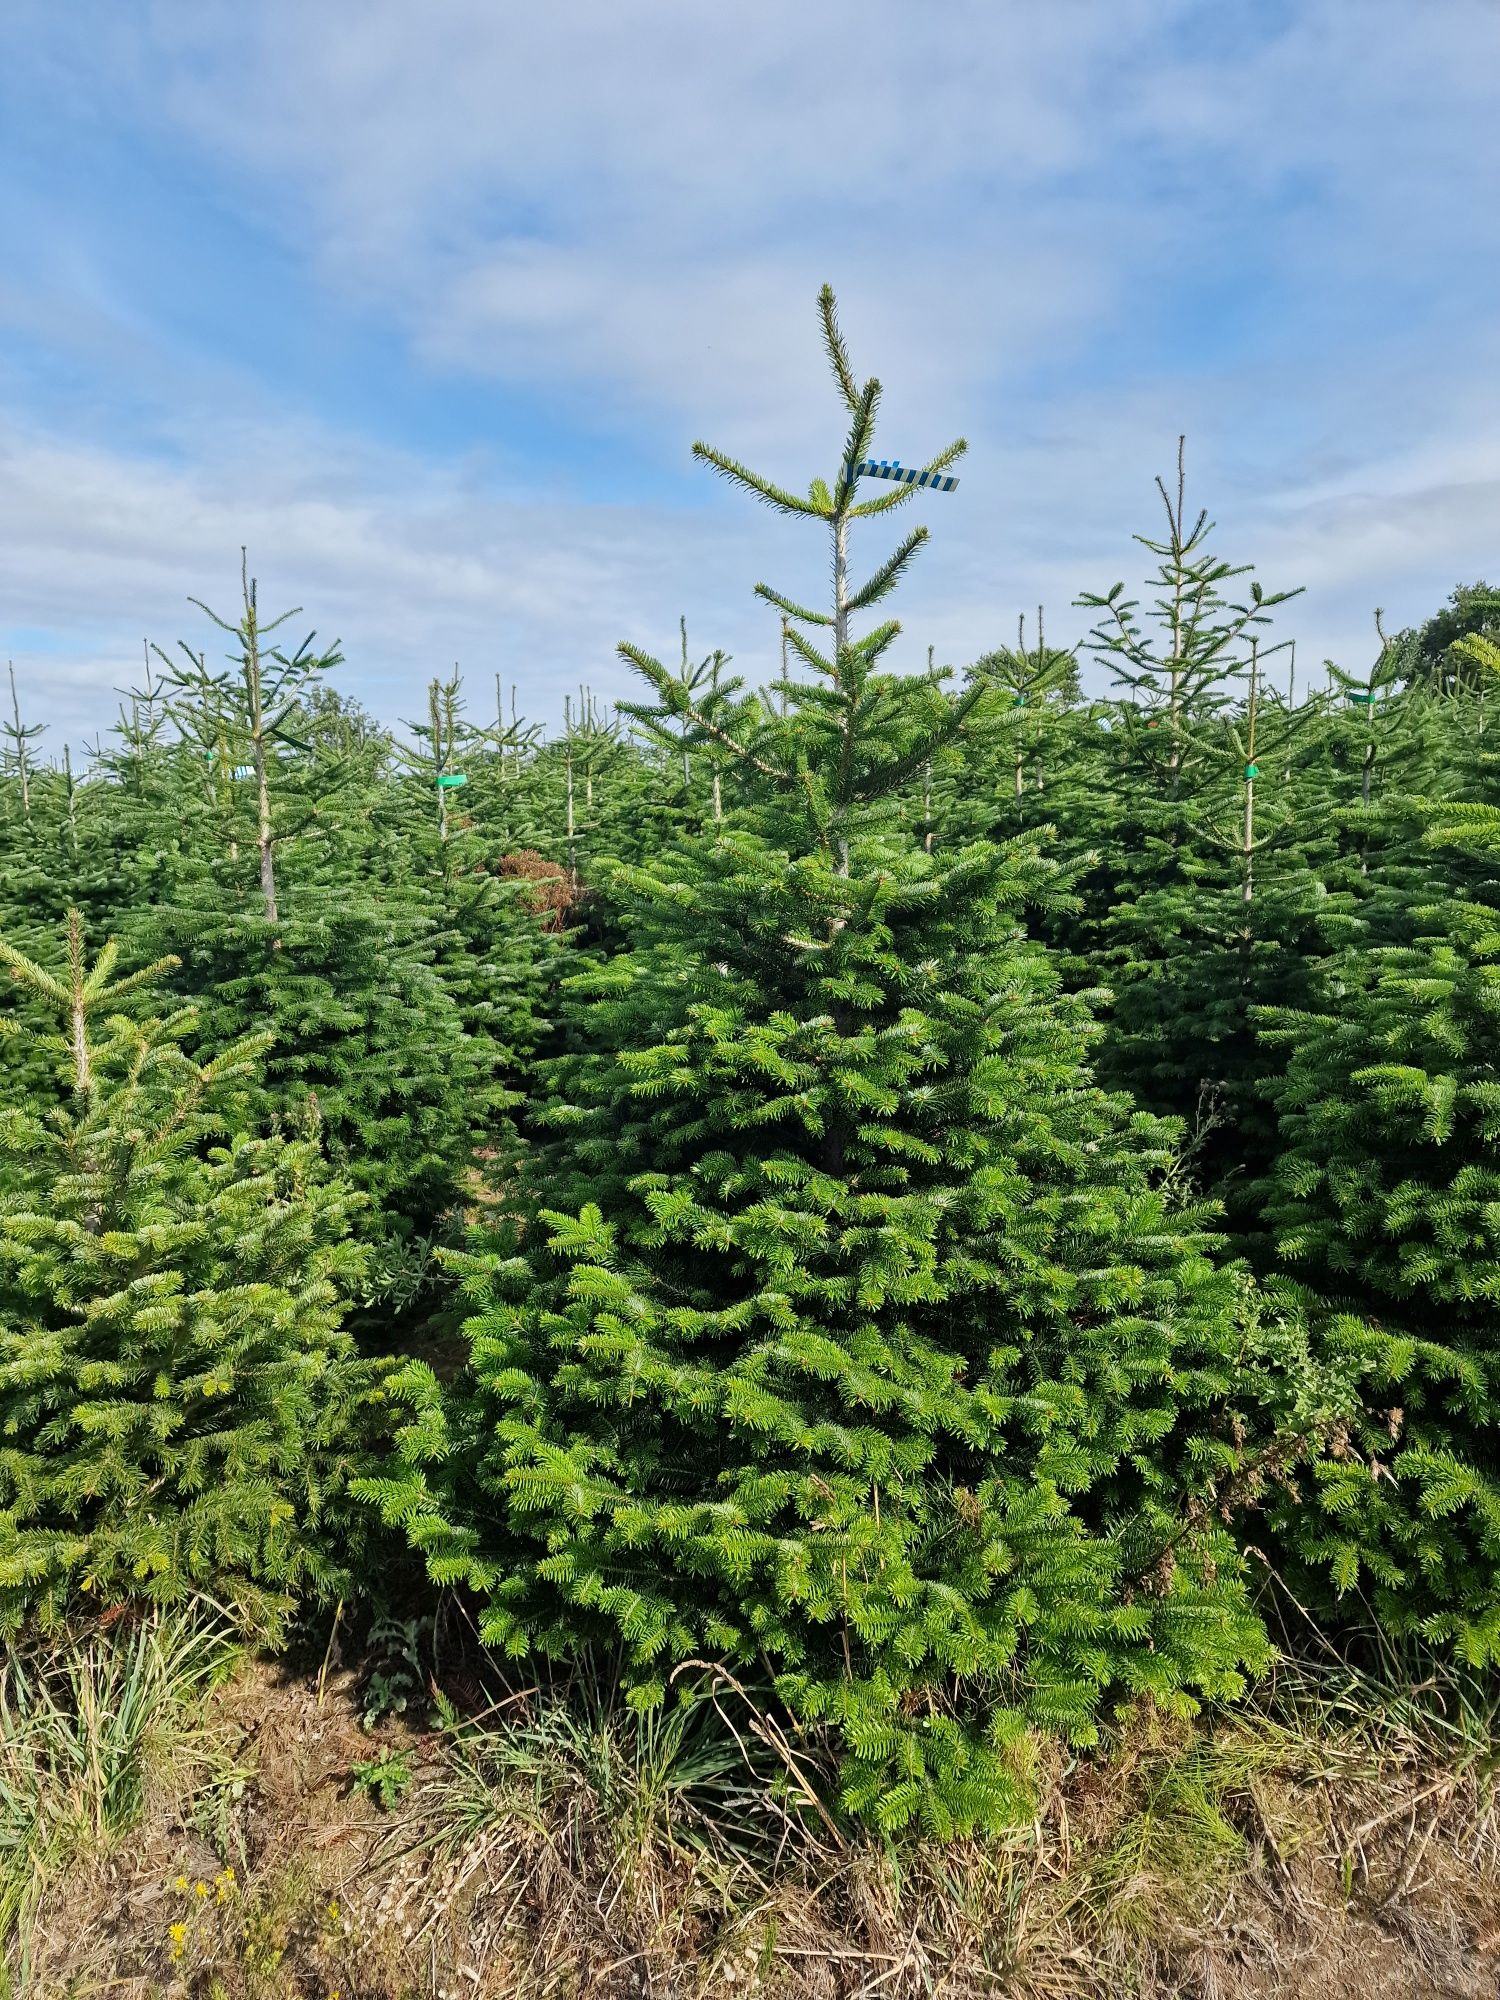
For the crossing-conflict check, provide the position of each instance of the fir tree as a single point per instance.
(248, 711)
(1199, 906)
(338, 944)
(1383, 1201)
(848, 1337)
(179, 1410)
(20, 748)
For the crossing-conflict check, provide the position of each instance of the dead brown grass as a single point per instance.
(1340, 1836)
(550, 892)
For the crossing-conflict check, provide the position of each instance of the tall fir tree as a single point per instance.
(1193, 895)
(847, 1336)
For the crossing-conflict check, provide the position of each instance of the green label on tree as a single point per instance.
(451, 778)
(1252, 770)
(1361, 697)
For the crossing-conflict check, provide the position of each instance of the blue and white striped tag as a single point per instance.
(904, 475)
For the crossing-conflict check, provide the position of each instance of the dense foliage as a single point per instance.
(180, 1404)
(921, 1195)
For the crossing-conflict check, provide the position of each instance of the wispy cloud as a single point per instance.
(425, 307)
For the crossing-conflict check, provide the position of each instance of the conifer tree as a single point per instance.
(1384, 1202)
(1030, 683)
(667, 726)
(290, 914)
(179, 1410)
(247, 712)
(584, 798)
(55, 855)
(492, 955)
(847, 1339)
(1202, 906)
(442, 740)
(1027, 756)
(20, 747)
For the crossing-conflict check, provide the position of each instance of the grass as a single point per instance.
(677, 1780)
(1341, 1828)
(87, 1730)
(569, 1840)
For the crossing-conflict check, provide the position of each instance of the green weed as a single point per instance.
(386, 1777)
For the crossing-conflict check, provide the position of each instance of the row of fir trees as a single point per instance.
(924, 1198)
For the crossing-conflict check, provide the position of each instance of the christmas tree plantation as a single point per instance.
(940, 1205)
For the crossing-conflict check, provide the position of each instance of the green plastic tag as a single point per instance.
(1019, 702)
(451, 778)
(1252, 770)
(1361, 697)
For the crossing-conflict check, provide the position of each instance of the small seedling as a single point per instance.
(385, 1777)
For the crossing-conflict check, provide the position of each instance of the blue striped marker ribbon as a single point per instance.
(904, 475)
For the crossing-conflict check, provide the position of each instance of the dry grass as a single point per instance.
(1343, 1830)
(94, 1739)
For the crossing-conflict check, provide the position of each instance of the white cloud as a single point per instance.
(413, 568)
(638, 194)
(1068, 230)
(416, 566)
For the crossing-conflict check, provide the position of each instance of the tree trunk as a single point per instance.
(263, 836)
(840, 644)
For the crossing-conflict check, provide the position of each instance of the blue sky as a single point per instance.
(426, 303)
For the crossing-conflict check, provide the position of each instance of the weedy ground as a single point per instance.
(179, 1819)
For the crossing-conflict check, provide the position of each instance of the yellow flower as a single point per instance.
(200, 1888)
(178, 1933)
(181, 1883)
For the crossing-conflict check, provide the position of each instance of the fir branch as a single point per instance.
(764, 590)
(890, 572)
(835, 348)
(741, 475)
(682, 704)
